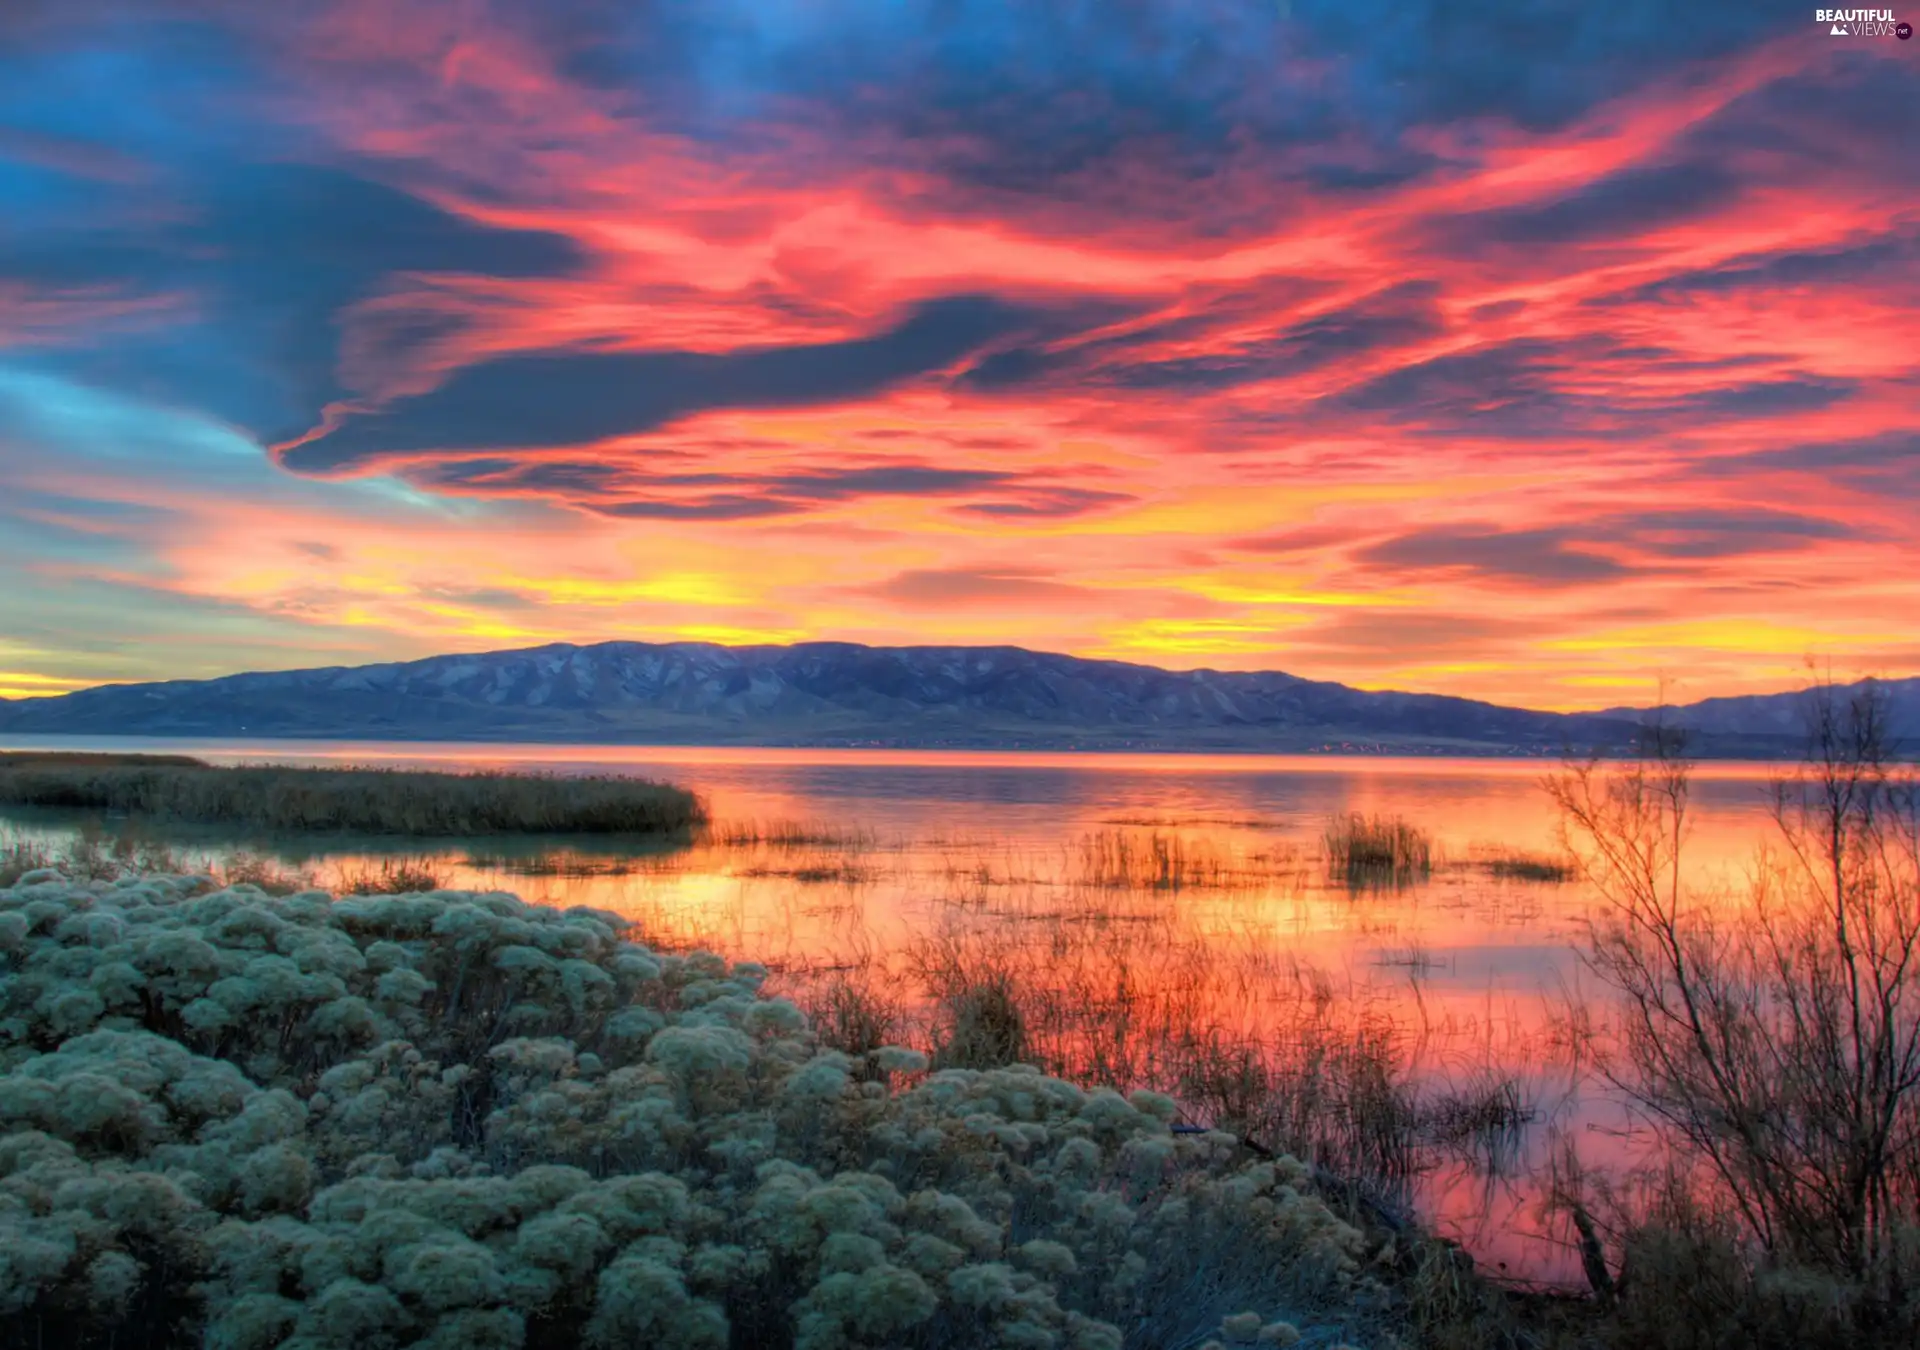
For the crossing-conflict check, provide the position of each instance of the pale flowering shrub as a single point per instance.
(455, 1119)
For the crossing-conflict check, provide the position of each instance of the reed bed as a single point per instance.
(1157, 860)
(1114, 988)
(818, 874)
(1487, 1116)
(390, 876)
(1173, 822)
(1520, 866)
(251, 869)
(13, 759)
(1373, 850)
(372, 801)
(563, 863)
(786, 834)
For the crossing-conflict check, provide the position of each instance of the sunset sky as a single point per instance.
(1530, 351)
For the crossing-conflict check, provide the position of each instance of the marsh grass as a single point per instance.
(838, 871)
(90, 851)
(372, 801)
(1324, 1088)
(1377, 850)
(1487, 1118)
(853, 1016)
(786, 834)
(1517, 865)
(571, 863)
(1172, 822)
(389, 876)
(1163, 860)
(271, 876)
(14, 759)
(1101, 990)
(21, 856)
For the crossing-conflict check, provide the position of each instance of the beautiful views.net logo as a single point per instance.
(1862, 23)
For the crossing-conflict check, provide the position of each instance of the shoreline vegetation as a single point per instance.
(456, 1119)
(164, 789)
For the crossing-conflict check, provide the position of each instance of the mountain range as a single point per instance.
(845, 694)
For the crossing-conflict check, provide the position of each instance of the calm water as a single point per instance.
(878, 862)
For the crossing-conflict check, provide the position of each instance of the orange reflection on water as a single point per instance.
(1134, 900)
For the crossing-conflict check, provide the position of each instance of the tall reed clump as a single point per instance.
(461, 1122)
(373, 801)
(1155, 860)
(1772, 1038)
(1373, 850)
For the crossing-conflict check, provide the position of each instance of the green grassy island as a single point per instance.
(173, 788)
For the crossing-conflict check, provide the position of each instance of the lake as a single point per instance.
(1131, 900)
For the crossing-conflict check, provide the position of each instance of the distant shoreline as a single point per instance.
(1786, 752)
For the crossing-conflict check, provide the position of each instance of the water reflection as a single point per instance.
(1133, 900)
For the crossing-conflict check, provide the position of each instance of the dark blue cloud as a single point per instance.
(721, 506)
(1617, 207)
(1395, 317)
(1889, 450)
(268, 256)
(893, 480)
(1542, 557)
(1717, 533)
(1537, 386)
(1048, 101)
(570, 398)
(1859, 117)
(1049, 503)
(1890, 261)
(628, 488)
(1769, 398)
(1565, 555)
(1886, 465)
(1506, 388)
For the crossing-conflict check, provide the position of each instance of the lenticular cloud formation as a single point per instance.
(373, 334)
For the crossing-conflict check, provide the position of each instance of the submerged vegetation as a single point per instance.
(370, 801)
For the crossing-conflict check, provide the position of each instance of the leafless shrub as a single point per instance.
(1775, 1042)
(853, 1016)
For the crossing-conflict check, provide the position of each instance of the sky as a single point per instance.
(1530, 351)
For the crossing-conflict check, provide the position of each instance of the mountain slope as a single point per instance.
(1781, 714)
(836, 693)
